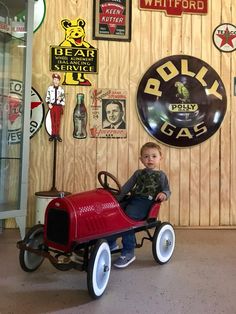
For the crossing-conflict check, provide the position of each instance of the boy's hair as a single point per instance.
(150, 145)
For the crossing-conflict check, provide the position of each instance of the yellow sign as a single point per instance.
(74, 56)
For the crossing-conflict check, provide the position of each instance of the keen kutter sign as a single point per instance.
(73, 59)
(181, 101)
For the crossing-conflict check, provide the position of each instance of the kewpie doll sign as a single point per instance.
(74, 56)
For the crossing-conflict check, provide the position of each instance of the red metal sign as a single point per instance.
(175, 7)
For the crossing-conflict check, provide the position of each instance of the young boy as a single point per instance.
(146, 186)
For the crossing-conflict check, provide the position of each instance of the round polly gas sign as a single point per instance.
(181, 101)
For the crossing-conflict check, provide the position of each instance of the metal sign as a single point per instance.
(175, 7)
(15, 110)
(74, 56)
(181, 101)
(112, 19)
(224, 37)
(69, 59)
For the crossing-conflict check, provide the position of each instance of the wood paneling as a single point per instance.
(202, 178)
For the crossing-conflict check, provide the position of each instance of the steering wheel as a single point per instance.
(103, 180)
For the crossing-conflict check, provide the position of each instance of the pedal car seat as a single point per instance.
(154, 211)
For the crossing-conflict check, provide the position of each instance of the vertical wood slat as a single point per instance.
(133, 131)
(184, 181)
(201, 177)
(205, 147)
(114, 62)
(174, 175)
(103, 82)
(233, 130)
(214, 191)
(165, 48)
(225, 130)
(123, 76)
(145, 23)
(194, 201)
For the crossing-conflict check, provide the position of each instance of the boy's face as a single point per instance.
(151, 158)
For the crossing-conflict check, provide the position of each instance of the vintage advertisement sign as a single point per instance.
(224, 37)
(69, 59)
(74, 56)
(175, 7)
(181, 101)
(112, 19)
(108, 113)
(15, 109)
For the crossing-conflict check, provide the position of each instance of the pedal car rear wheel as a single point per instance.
(99, 269)
(163, 243)
(29, 262)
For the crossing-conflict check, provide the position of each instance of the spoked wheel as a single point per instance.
(163, 243)
(34, 238)
(99, 269)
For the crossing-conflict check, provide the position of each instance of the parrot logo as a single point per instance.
(182, 92)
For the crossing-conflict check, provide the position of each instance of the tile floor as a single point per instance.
(200, 278)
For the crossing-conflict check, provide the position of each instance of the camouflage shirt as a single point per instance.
(146, 183)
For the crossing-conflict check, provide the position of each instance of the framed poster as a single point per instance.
(112, 20)
(108, 113)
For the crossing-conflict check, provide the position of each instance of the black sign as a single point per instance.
(181, 101)
(73, 59)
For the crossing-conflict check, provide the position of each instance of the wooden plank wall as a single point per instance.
(202, 178)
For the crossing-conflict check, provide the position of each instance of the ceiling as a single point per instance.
(12, 6)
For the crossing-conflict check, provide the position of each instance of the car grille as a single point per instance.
(58, 226)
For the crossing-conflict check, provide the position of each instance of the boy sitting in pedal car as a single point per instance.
(146, 186)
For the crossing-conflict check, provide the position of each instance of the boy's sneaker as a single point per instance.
(124, 261)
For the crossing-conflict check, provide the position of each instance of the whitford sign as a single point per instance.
(175, 7)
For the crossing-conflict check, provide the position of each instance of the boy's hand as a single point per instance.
(161, 197)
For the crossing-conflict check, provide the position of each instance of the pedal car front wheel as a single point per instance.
(163, 243)
(99, 269)
(34, 238)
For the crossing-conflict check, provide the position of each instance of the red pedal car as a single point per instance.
(76, 230)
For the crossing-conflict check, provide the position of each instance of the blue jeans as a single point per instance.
(136, 208)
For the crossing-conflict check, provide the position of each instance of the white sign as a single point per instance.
(15, 111)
